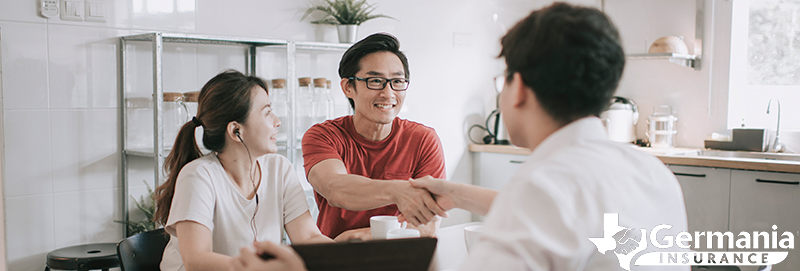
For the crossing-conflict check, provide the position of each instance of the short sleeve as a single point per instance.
(319, 144)
(193, 200)
(431, 160)
(294, 199)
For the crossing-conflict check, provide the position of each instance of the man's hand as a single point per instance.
(284, 258)
(439, 188)
(416, 204)
(363, 234)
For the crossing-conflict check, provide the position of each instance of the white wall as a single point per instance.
(59, 84)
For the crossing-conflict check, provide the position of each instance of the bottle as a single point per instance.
(329, 97)
(304, 99)
(320, 102)
(280, 106)
(175, 116)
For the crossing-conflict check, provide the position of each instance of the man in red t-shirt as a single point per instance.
(360, 165)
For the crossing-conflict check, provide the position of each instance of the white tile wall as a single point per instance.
(85, 151)
(28, 169)
(60, 82)
(24, 65)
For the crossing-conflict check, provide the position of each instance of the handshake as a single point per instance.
(424, 198)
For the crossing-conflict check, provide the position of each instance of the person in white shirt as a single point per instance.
(212, 205)
(563, 66)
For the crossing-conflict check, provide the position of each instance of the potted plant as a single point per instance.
(148, 207)
(347, 15)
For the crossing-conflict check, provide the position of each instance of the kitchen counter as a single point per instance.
(677, 156)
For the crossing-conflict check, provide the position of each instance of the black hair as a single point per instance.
(225, 98)
(379, 42)
(570, 57)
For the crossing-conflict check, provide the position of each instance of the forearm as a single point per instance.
(206, 261)
(472, 198)
(358, 193)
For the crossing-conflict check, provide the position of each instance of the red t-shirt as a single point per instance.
(411, 150)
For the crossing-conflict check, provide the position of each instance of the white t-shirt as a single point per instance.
(204, 194)
(543, 219)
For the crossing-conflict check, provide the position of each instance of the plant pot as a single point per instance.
(347, 33)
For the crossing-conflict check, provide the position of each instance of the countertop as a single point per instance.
(676, 156)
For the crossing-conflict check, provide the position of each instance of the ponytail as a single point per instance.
(183, 151)
(223, 99)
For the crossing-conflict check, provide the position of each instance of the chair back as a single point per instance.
(142, 251)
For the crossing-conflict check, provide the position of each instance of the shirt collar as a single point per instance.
(580, 130)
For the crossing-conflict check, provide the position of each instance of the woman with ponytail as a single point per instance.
(213, 205)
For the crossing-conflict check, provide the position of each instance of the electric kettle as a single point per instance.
(620, 119)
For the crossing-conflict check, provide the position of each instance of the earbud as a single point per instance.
(236, 132)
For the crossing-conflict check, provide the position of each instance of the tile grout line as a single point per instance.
(50, 129)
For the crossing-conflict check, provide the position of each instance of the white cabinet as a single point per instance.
(494, 170)
(760, 200)
(706, 196)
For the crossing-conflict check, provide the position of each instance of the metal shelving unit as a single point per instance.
(158, 152)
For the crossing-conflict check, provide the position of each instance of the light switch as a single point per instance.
(95, 11)
(72, 10)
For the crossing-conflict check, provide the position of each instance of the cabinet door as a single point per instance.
(762, 199)
(706, 196)
(494, 170)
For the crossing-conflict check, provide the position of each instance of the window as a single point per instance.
(765, 63)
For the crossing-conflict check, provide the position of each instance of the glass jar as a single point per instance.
(661, 128)
(305, 112)
(139, 116)
(280, 105)
(174, 114)
(319, 102)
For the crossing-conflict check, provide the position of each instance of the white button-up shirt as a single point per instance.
(543, 219)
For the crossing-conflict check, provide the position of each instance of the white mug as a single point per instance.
(471, 234)
(380, 225)
(402, 233)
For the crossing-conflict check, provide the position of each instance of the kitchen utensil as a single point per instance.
(620, 119)
(380, 225)
(661, 128)
(669, 44)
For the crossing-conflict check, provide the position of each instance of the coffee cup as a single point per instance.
(380, 225)
(402, 233)
(471, 235)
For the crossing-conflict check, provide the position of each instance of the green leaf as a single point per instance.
(345, 12)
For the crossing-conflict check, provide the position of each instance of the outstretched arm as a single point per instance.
(354, 192)
(451, 195)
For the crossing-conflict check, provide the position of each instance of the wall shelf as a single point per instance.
(686, 60)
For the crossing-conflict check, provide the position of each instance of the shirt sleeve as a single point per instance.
(318, 144)
(528, 229)
(193, 200)
(431, 157)
(294, 199)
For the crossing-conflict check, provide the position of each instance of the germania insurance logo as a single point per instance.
(626, 243)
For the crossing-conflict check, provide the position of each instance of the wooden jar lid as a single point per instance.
(193, 96)
(278, 83)
(304, 81)
(173, 96)
(320, 82)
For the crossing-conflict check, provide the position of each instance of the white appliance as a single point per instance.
(620, 119)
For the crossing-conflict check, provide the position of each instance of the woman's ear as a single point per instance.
(233, 131)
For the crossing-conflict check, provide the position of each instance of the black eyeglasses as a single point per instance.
(379, 83)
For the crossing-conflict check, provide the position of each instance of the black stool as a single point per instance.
(83, 257)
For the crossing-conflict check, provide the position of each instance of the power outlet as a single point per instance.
(72, 10)
(48, 8)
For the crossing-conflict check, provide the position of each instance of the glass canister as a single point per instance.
(139, 115)
(190, 100)
(305, 112)
(661, 129)
(280, 105)
(329, 98)
(319, 103)
(174, 116)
